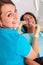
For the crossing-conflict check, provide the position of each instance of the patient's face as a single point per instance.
(9, 16)
(29, 21)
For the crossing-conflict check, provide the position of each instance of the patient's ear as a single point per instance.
(0, 23)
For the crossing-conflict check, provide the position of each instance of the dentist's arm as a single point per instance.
(31, 62)
(34, 50)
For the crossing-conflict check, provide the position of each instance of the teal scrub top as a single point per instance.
(13, 47)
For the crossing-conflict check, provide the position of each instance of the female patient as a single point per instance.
(13, 46)
(29, 28)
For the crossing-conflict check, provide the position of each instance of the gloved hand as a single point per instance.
(21, 23)
(37, 30)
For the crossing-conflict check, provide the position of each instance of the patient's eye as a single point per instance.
(30, 17)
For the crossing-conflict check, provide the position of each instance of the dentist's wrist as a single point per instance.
(36, 35)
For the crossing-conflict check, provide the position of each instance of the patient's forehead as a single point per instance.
(28, 15)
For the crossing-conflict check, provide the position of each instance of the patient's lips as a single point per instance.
(30, 23)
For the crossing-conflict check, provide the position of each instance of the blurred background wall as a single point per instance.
(34, 6)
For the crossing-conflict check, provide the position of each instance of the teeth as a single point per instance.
(32, 24)
(35, 25)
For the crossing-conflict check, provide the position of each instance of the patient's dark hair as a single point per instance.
(2, 2)
(22, 19)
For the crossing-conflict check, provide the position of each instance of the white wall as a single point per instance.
(25, 6)
(28, 6)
